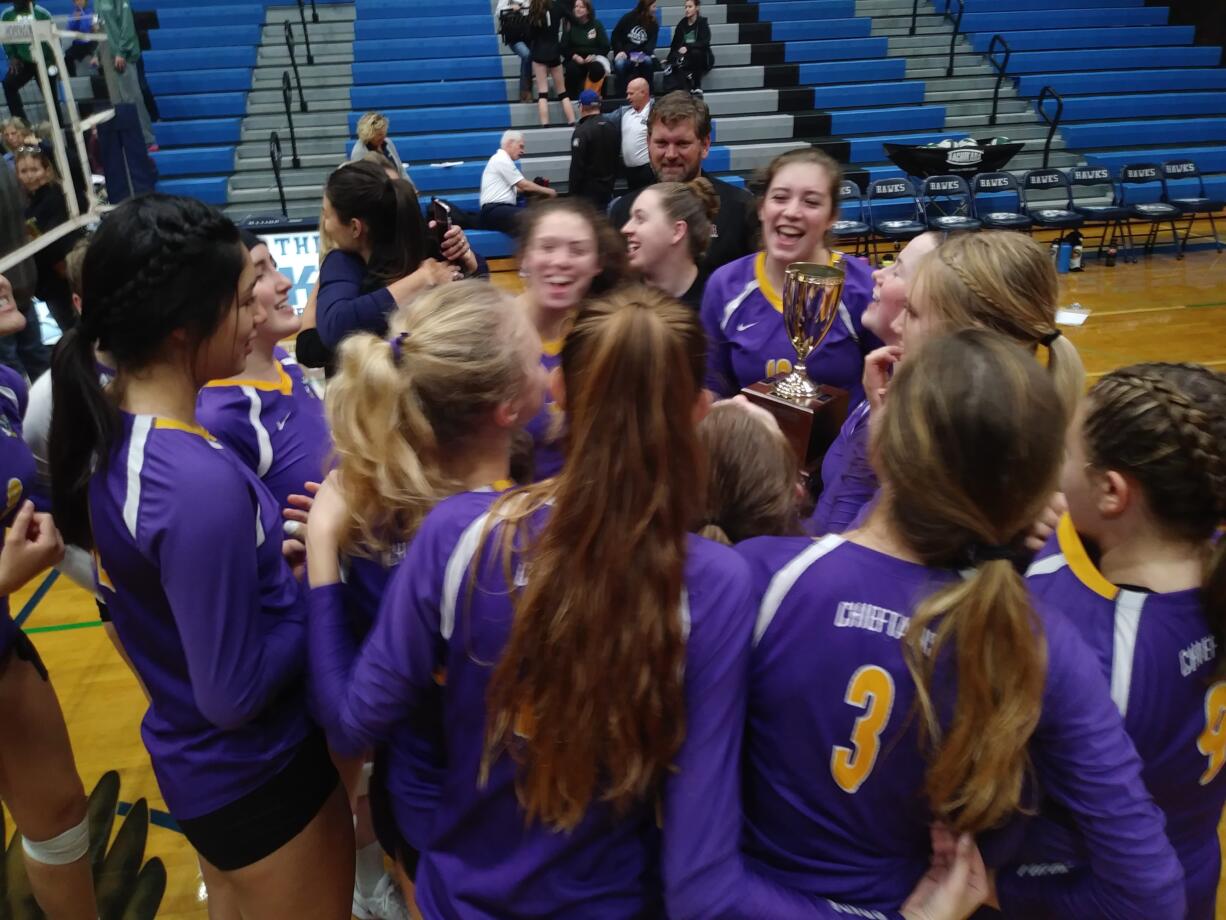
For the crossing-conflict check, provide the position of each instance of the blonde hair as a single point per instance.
(400, 408)
(371, 124)
(1006, 282)
(74, 264)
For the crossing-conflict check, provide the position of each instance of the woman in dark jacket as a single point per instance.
(690, 52)
(634, 43)
(585, 49)
(48, 208)
(545, 18)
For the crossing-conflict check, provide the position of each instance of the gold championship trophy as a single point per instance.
(809, 413)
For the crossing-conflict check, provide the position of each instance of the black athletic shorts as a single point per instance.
(264, 820)
(384, 821)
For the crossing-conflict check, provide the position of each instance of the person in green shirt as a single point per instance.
(21, 66)
(124, 48)
(585, 50)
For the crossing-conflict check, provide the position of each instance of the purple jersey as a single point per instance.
(189, 563)
(277, 429)
(834, 771)
(18, 473)
(440, 628)
(1159, 654)
(848, 480)
(546, 427)
(742, 315)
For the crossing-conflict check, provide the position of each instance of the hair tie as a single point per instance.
(979, 553)
(397, 344)
(1050, 338)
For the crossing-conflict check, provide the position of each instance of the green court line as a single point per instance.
(61, 627)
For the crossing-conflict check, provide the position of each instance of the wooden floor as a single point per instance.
(1161, 309)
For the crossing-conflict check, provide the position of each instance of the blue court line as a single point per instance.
(156, 816)
(37, 597)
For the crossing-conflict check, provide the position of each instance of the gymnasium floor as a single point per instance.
(1160, 309)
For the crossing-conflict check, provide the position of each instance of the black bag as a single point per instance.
(513, 25)
(676, 78)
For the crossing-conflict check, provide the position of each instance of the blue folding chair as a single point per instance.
(1111, 216)
(1053, 215)
(995, 214)
(1143, 192)
(1184, 171)
(947, 204)
(848, 229)
(894, 212)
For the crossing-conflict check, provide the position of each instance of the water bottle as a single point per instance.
(1063, 258)
(1074, 240)
(1109, 261)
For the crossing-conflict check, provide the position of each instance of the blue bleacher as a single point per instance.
(1088, 39)
(1121, 81)
(991, 22)
(203, 36)
(1045, 62)
(1141, 105)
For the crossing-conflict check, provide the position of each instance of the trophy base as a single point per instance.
(810, 424)
(796, 387)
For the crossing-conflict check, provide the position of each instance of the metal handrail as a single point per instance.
(306, 35)
(1000, 71)
(1048, 93)
(287, 91)
(314, 12)
(953, 39)
(293, 62)
(274, 154)
(914, 14)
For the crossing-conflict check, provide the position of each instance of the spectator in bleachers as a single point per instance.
(388, 167)
(15, 131)
(545, 17)
(585, 51)
(631, 120)
(594, 153)
(667, 237)
(690, 53)
(46, 210)
(383, 253)
(124, 46)
(634, 43)
(502, 183)
(515, 31)
(679, 139)
(22, 68)
(372, 137)
(81, 20)
(23, 351)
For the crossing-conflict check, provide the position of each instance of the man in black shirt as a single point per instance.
(678, 140)
(595, 153)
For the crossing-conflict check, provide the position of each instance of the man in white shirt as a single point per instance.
(501, 184)
(633, 118)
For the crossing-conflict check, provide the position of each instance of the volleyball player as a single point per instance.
(188, 544)
(667, 236)
(742, 306)
(1136, 566)
(268, 414)
(902, 674)
(581, 656)
(848, 482)
(567, 251)
(425, 414)
(39, 783)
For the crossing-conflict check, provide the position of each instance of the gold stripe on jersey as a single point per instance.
(284, 384)
(1079, 560)
(552, 348)
(173, 424)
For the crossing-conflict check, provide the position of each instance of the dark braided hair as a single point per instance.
(157, 264)
(1165, 426)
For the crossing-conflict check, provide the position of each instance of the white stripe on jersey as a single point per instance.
(453, 576)
(734, 304)
(11, 396)
(786, 578)
(845, 316)
(259, 527)
(1048, 565)
(1127, 623)
(141, 425)
(263, 442)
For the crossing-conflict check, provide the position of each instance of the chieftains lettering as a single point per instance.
(1196, 655)
(1038, 870)
(870, 617)
(856, 911)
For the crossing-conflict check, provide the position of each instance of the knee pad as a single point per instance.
(544, 96)
(563, 96)
(67, 848)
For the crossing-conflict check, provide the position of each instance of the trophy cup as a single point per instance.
(810, 414)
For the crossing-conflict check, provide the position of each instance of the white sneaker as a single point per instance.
(387, 903)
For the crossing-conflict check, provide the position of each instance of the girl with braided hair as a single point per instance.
(902, 674)
(1136, 564)
(187, 542)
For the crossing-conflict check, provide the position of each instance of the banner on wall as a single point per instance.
(297, 255)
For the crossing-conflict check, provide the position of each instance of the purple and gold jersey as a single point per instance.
(189, 564)
(277, 429)
(742, 315)
(1159, 655)
(444, 621)
(18, 474)
(546, 427)
(834, 773)
(848, 480)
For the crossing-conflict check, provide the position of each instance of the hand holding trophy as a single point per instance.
(809, 413)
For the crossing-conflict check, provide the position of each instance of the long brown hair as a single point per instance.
(1165, 426)
(968, 450)
(751, 488)
(644, 14)
(610, 245)
(594, 661)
